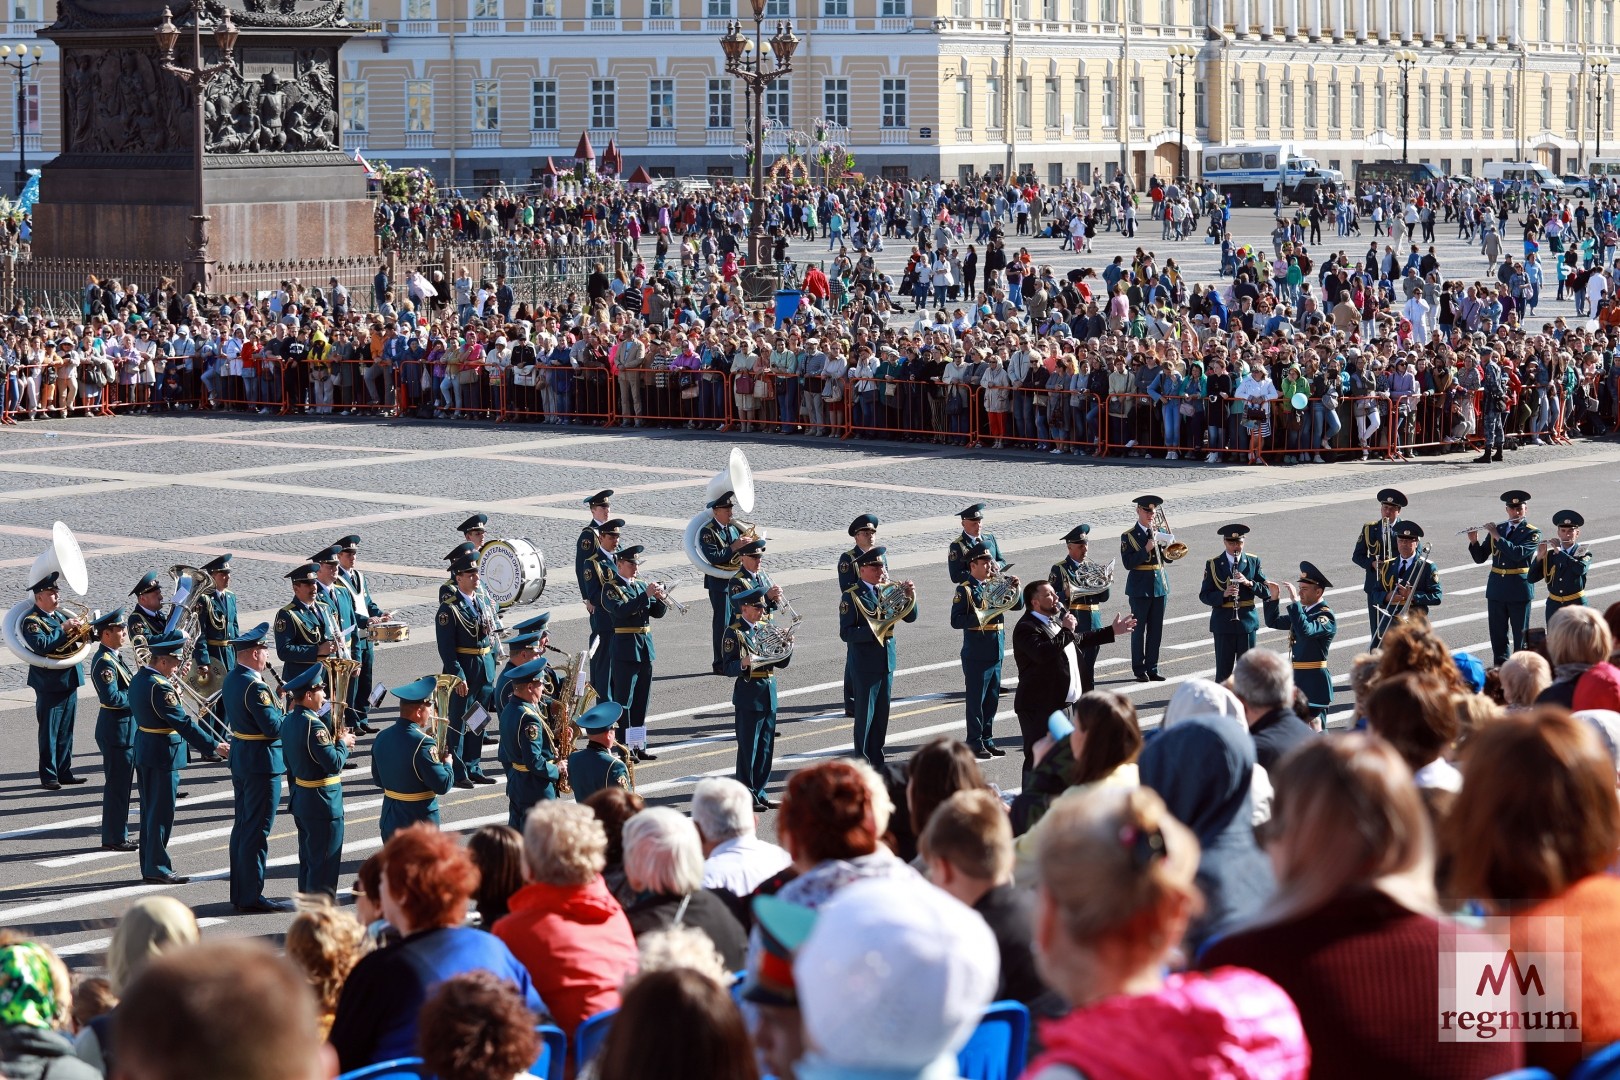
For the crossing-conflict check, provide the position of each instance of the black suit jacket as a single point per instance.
(1043, 673)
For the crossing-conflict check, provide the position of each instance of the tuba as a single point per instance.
(191, 587)
(574, 696)
(340, 675)
(1175, 549)
(1003, 595)
(443, 687)
(738, 478)
(64, 557)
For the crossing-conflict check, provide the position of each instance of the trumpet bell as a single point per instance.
(64, 557)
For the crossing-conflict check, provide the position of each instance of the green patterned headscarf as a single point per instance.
(27, 987)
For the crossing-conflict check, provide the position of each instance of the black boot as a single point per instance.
(1485, 458)
(1498, 455)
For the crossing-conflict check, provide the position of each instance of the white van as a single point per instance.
(1508, 173)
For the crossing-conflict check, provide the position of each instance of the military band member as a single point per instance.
(750, 576)
(753, 697)
(447, 589)
(870, 659)
(719, 540)
(864, 531)
(115, 731)
(304, 627)
(585, 548)
(1147, 587)
(1562, 564)
(465, 631)
(162, 728)
(216, 621)
(1511, 548)
(983, 642)
(632, 604)
(1375, 545)
(254, 716)
(472, 530)
(147, 619)
(1086, 607)
(522, 648)
(1406, 579)
(601, 567)
(972, 533)
(1311, 628)
(49, 633)
(340, 601)
(596, 765)
(367, 611)
(1232, 582)
(316, 755)
(527, 751)
(406, 763)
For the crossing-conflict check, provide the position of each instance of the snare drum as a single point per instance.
(393, 630)
(513, 571)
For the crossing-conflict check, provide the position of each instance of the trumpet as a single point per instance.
(666, 594)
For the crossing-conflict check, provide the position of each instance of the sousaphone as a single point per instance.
(64, 557)
(738, 478)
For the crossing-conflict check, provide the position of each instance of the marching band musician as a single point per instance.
(864, 531)
(253, 716)
(1511, 548)
(1311, 628)
(1558, 564)
(1374, 546)
(595, 766)
(472, 530)
(162, 727)
(366, 611)
(147, 619)
(1232, 581)
(1147, 587)
(526, 750)
(316, 755)
(956, 557)
(601, 568)
(585, 549)
(406, 763)
(465, 632)
(538, 625)
(753, 697)
(464, 550)
(46, 631)
(749, 576)
(303, 627)
(521, 648)
(632, 604)
(870, 661)
(216, 620)
(1085, 607)
(719, 540)
(340, 601)
(1403, 574)
(115, 731)
(983, 641)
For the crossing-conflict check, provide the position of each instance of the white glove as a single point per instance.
(1164, 538)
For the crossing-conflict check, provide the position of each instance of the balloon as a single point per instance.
(1299, 401)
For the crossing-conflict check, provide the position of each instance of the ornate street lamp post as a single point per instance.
(1600, 71)
(746, 60)
(1182, 56)
(1406, 60)
(22, 66)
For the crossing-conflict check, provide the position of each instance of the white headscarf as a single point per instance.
(1200, 697)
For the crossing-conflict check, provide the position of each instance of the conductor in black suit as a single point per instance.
(1045, 648)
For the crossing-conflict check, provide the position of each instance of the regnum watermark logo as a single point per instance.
(1515, 980)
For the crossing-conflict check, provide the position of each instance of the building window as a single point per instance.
(719, 103)
(603, 9)
(1024, 105)
(1054, 104)
(1200, 105)
(1237, 105)
(779, 9)
(1546, 106)
(20, 11)
(779, 102)
(1310, 105)
(1465, 109)
(354, 106)
(604, 105)
(893, 9)
(835, 101)
(543, 105)
(1049, 11)
(992, 9)
(418, 10)
(1285, 100)
(894, 103)
(964, 103)
(1262, 105)
(1108, 12)
(31, 108)
(660, 104)
(1381, 107)
(1110, 102)
(1082, 103)
(1608, 20)
(418, 105)
(1138, 96)
(1445, 107)
(486, 9)
(1508, 108)
(717, 9)
(542, 9)
(959, 8)
(835, 9)
(995, 108)
(1358, 112)
(1487, 108)
(660, 9)
(1077, 11)
(1572, 21)
(1169, 101)
(1571, 109)
(486, 105)
(1544, 20)
(1335, 114)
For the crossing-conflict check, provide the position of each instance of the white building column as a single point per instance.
(1268, 18)
(1363, 9)
(1240, 18)
(1291, 19)
(1408, 21)
(1217, 16)
(1385, 20)
(1470, 23)
(1314, 14)
(1515, 7)
(1449, 14)
(1340, 27)
(1427, 16)
(1492, 26)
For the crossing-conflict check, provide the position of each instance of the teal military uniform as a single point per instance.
(254, 717)
(1508, 592)
(1375, 544)
(847, 578)
(315, 760)
(162, 729)
(405, 764)
(632, 609)
(216, 627)
(1064, 577)
(115, 737)
(1147, 587)
(593, 767)
(742, 581)
(956, 555)
(1565, 574)
(1233, 622)
(55, 694)
(465, 632)
(1427, 592)
(366, 610)
(586, 548)
(146, 625)
(503, 682)
(871, 664)
(715, 540)
(597, 569)
(530, 759)
(983, 644)
(753, 702)
(300, 629)
(1310, 635)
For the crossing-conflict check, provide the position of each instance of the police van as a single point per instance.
(1253, 174)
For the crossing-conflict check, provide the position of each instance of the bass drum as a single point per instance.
(513, 571)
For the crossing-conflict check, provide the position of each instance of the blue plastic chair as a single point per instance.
(409, 1068)
(553, 1052)
(588, 1039)
(998, 1046)
(1529, 1073)
(1603, 1065)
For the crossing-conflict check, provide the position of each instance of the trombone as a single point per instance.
(1391, 613)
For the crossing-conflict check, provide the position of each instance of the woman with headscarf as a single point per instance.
(153, 925)
(1200, 697)
(1203, 768)
(36, 996)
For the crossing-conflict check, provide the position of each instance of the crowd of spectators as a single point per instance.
(1234, 894)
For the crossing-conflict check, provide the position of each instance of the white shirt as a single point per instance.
(1072, 657)
(740, 865)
